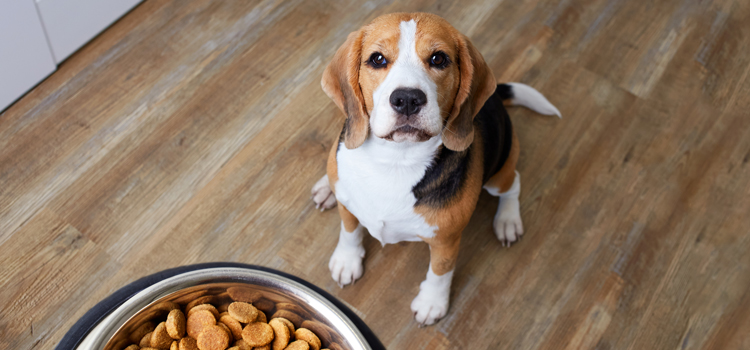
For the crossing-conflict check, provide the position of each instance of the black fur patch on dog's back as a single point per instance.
(504, 91)
(443, 179)
(497, 131)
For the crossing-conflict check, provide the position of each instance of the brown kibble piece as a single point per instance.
(308, 336)
(244, 294)
(133, 347)
(281, 334)
(243, 312)
(288, 323)
(242, 344)
(208, 307)
(222, 298)
(199, 320)
(142, 330)
(298, 345)
(149, 348)
(188, 343)
(234, 348)
(175, 345)
(213, 338)
(291, 316)
(264, 347)
(234, 326)
(257, 334)
(176, 324)
(264, 305)
(322, 331)
(146, 340)
(206, 299)
(160, 338)
(261, 317)
(223, 308)
(227, 330)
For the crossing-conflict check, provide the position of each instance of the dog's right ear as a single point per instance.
(341, 83)
(476, 85)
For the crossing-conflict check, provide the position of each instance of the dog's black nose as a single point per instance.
(408, 101)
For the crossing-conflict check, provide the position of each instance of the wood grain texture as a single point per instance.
(192, 131)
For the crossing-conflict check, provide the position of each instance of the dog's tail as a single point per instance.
(524, 95)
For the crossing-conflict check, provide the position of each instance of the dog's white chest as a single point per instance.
(379, 193)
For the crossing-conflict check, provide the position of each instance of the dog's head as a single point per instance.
(408, 77)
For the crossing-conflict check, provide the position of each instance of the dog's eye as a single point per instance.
(377, 60)
(439, 60)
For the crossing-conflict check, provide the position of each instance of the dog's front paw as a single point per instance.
(322, 194)
(346, 264)
(508, 225)
(429, 306)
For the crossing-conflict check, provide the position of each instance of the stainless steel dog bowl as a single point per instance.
(333, 325)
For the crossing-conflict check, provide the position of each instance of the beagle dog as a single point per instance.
(425, 131)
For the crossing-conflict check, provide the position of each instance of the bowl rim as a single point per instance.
(112, 323)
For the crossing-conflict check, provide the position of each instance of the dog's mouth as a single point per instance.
(408, 133)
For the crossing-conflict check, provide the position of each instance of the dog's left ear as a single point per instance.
(476, 85)
(341, 83)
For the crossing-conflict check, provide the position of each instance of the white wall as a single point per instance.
(25, 57)
(35, 35)
(72, 23)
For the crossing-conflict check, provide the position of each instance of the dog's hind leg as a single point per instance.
(506, 184)
(322, 194)
(323, 190)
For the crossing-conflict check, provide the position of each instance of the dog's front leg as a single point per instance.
(431, 303)
(346, 261)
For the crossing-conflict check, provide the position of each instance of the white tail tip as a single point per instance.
(527, 96)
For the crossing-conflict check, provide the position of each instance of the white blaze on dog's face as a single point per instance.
(409, 76)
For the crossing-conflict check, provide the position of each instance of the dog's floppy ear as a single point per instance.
(341, 83)
(476, 85)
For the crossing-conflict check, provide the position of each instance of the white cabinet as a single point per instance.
(72, 23)
(25, 58)
(35, 35)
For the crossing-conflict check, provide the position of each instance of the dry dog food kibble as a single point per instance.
(188, 343)
(308, 336)
(243, 312)
(160, 339)
(146, 340)
(238, 323)
(199, 320)
(298, 345)
(281, 333)
(176, 324)
(257, 334)
(208, 307)
(213, 338)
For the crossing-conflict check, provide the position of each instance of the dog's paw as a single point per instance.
(508, 225)
(346, 264)
(429, 306)
(322, 194)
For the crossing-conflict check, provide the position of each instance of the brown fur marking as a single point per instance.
(503, 179)
(453, 218)
(350, 221)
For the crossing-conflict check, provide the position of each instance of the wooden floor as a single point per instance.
(192, 131)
